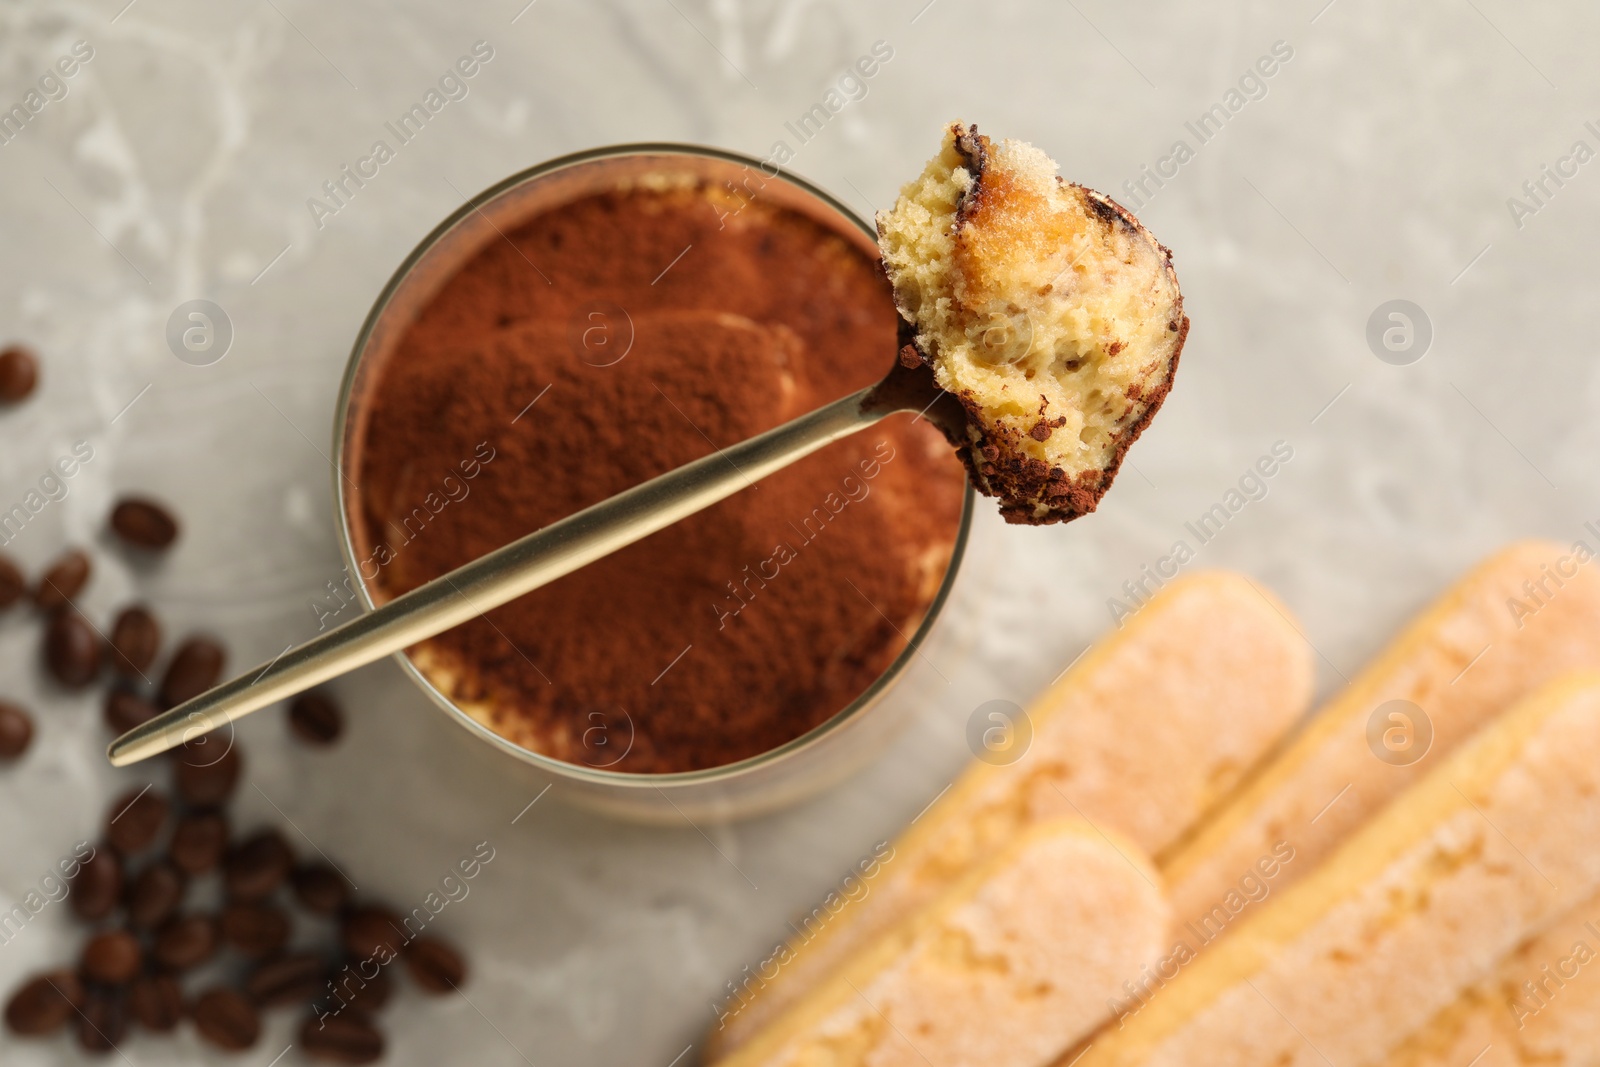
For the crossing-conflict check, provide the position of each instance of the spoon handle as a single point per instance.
(504, 574)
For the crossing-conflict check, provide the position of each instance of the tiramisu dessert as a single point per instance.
(1049, 311)
(604, 342)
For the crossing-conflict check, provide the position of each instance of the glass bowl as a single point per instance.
(808, 763)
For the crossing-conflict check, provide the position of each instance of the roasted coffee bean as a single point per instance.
(16, 730)
(257, 866)
(316, 719)
(155, 894)
(143, 523)
(19, 373)
(12, 584)
(125, 710)
(288, 981)
(435, 966)
(71, 650)
(111, 958)
(64, 580)
(207, 770)
(195, 667)
(255, 930)
(102, 1022)
(373, 932)
(156, 1001)
(135, 640)
(44, 1004)
(365, 995)
(186, 941)
(136, 819)
(320, 888)
(199, 842)
(97, 886)
(226, 1019)
(343, 1038)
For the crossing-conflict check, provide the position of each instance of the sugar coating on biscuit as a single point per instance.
(1048, 310)
(1538, 1007)
(1477, 624)
(1010, 967)
(1413, 912)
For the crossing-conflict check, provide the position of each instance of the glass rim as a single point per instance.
(857, 707)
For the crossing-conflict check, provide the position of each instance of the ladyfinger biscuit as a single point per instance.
(1495, 844)
(1520, 619)
(1008, 967)
(1045, 308)
(1142, 736)
(1541, 1007)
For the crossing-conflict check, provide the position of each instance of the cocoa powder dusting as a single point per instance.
(668, 327)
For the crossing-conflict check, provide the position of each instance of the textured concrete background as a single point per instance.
(1375, 164)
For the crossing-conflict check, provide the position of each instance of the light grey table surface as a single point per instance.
(1376, 163)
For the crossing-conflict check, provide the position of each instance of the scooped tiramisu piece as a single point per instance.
(1048, 310)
